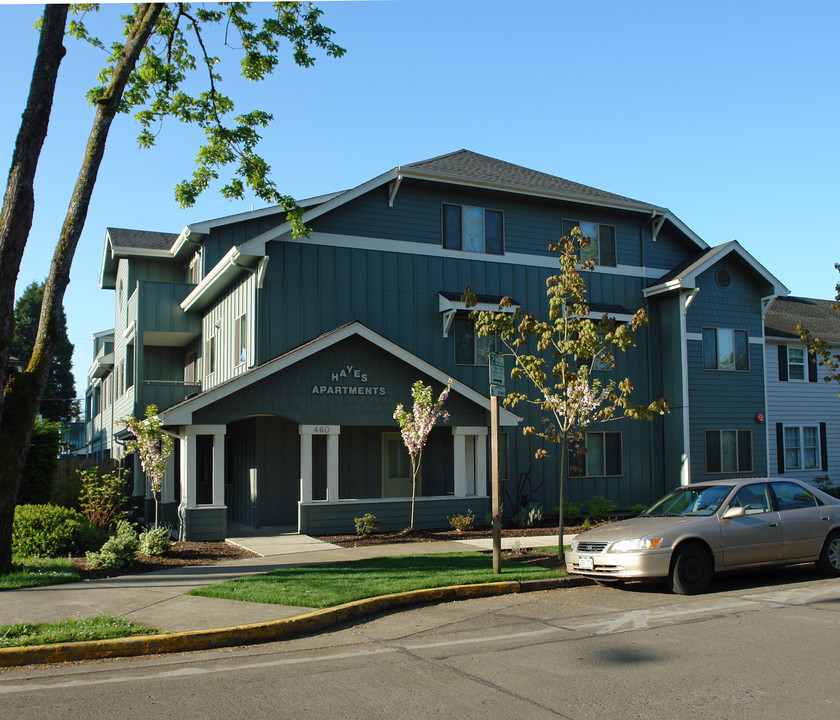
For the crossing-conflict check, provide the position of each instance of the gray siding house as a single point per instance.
(803, 411)
(277, 362)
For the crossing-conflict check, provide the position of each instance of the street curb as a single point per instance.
(270, 631)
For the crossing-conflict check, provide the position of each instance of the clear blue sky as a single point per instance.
(724, 112)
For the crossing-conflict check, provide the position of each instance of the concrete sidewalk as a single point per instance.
(158, 599)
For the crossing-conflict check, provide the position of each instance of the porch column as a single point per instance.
(189, 463)
(470, 460)
(305, 464)
(306, 432)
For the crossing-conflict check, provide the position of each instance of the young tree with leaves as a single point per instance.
(150, 71)
(416, 425)
(827, 356)
(154, 447)
(559, 357)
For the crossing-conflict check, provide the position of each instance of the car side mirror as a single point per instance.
(734, 512)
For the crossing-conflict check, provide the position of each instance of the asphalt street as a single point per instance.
(762, 646)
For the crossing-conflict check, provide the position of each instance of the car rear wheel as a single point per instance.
(691, 570)
(829, 560)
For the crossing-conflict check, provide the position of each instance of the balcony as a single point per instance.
(165, 393)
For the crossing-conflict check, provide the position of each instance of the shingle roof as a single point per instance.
(468, 165)
(141, 239)
(785, 313)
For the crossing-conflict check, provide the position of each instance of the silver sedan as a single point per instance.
(697, 530)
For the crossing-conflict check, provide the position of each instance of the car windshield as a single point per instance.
(700, 500)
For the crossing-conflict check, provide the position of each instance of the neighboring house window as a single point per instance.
(470, 349)
(210, 356)
(603, 454)
(725, 349)
(240, 340)
(802, 447)
(728, 451)
(793, 361)
(601, 246)
(473, 229)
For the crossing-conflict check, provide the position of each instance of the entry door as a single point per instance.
(396, 467)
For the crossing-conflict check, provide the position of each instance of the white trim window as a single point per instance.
(210, 356)
(240, 340)
(473, 229)
(726, 349)
(802, 447)
(728, 451)
(796, 363)
(601, 246)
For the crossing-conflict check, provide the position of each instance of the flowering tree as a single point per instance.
(153, 446)
(416, 425)
(570, 347)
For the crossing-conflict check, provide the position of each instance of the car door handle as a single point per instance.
(825, 518)
(774, 524)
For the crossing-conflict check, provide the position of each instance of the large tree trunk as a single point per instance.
(15, 224)
(23, 394)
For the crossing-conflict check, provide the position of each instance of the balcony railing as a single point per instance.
(165, 393)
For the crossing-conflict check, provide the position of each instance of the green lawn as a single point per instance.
(322, 586)
(36, 572)
(101, 627)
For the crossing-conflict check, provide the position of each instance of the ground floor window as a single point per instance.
(728, 451)
(204, 469)
(603, 454)
(802, 447)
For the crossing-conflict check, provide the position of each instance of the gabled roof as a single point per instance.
(684, 276)
(818, 316)
(471, 169)
(181, 414)
(140, 243)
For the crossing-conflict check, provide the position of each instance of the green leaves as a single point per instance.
(178, 59)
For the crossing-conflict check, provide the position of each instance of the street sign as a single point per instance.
(497, 370)
(497, 391)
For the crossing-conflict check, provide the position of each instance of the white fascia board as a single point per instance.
(445, 304)
(182, 415)
(187, 236)
(206, 226)
(233, 263)
(256, 245)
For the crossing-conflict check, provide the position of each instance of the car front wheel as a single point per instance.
(829, 560)
(691, 570)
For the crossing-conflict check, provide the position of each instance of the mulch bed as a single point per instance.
(387, 538)
(179, 555)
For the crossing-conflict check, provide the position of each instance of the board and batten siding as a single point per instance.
(801, 403)
(218, 323)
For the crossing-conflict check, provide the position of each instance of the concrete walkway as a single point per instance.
(158, 600)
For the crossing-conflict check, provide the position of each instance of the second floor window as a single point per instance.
(601, 246)
(240, 340)
(470, 348)
(473, 229)
(725, 349)
(210, 356)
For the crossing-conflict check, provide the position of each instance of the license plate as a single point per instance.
(586, 563)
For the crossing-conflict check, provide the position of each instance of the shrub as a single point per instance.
(570, 510)
(102, 496)
(51, 531)
(155, 541)
(118, 549)
(367, 524)
(528, 516)
(823, 482)
(462, 522)
(638, 509)
(599, 508)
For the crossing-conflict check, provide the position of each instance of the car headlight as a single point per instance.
(637, 544)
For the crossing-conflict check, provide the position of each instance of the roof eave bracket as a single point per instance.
(393, 189)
